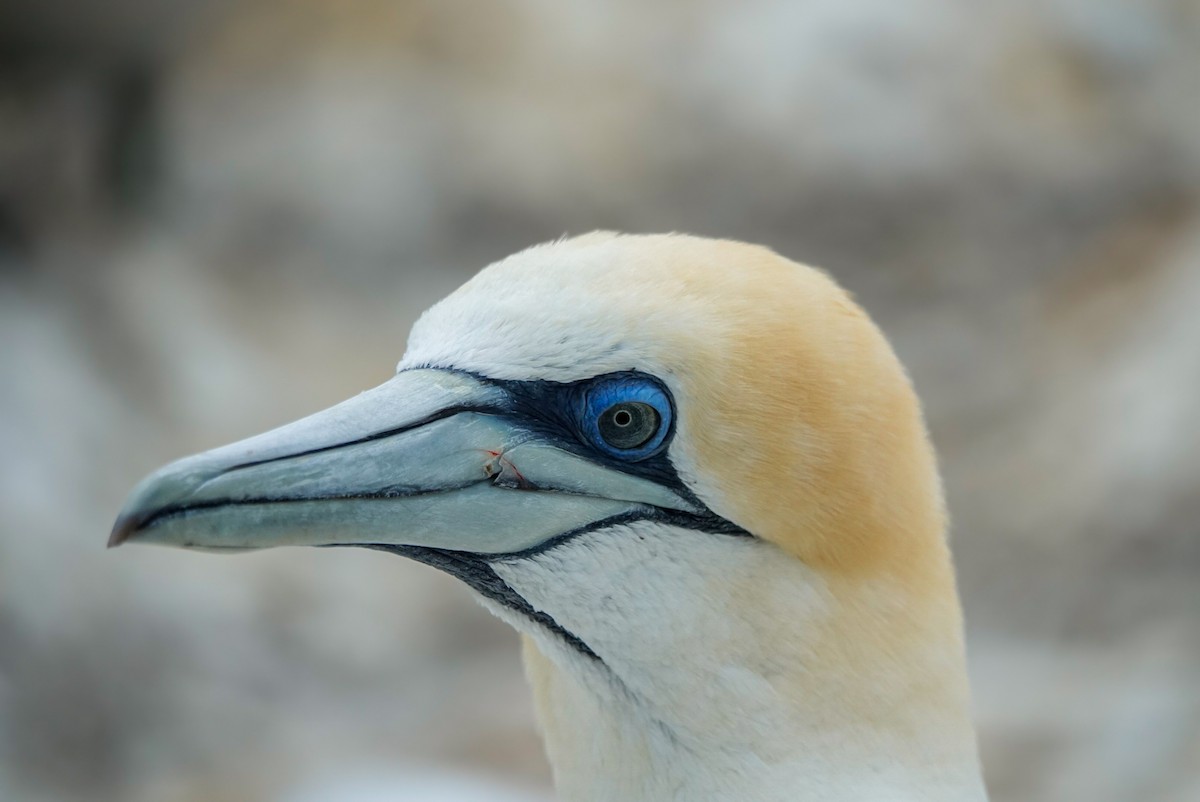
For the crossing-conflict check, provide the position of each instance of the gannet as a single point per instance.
(696, 479)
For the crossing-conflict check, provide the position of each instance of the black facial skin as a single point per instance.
(472, 569)
(550, 410)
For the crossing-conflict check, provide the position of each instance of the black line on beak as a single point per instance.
(127, 527)
(441, 414)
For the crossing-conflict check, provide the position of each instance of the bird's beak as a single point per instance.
(429, 458)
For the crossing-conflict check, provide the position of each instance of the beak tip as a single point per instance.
(123, 530)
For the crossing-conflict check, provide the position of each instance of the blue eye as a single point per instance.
(626, 416)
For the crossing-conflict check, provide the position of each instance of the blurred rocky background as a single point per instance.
(218, 216)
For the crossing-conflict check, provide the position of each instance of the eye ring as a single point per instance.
(627, 416)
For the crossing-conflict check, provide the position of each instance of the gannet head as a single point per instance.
(691, 472)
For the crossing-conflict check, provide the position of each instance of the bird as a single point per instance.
(692, 474)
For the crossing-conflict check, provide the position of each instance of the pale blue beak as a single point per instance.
(430, 458)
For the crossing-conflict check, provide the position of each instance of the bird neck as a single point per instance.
(835, 689)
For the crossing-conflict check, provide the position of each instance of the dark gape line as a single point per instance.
(474, 570)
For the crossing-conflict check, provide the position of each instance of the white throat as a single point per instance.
(712, 685)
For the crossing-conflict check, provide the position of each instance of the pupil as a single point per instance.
(622, 418)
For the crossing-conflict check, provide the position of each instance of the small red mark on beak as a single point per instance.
(521, 481)
(503, 472)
